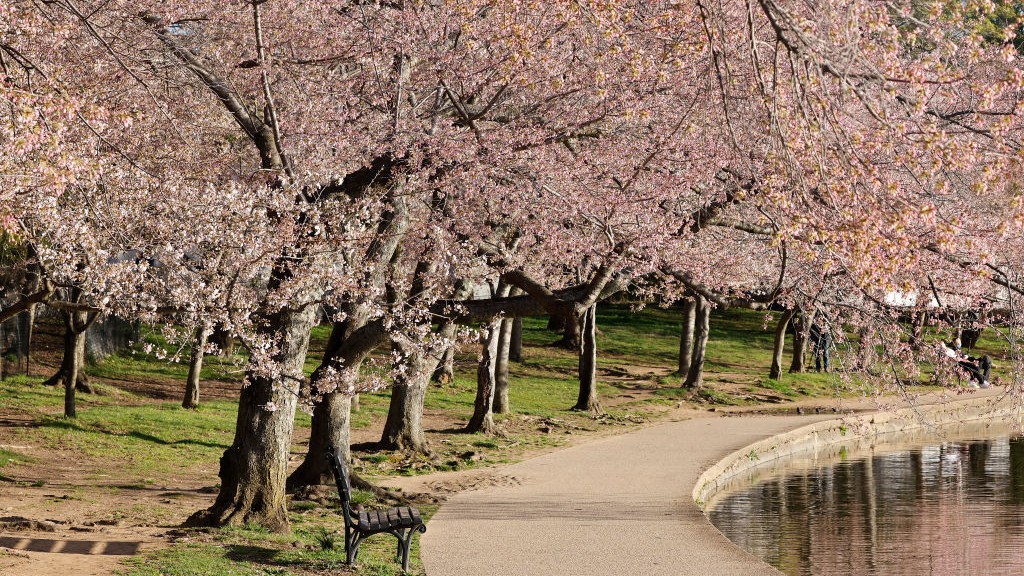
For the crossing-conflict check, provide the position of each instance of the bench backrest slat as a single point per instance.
(341, 479)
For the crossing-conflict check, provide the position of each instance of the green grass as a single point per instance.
(316, 545)
(145, 439)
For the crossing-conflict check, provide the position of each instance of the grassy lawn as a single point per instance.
(141, 440)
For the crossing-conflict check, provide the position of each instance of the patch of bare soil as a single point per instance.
(74, 524)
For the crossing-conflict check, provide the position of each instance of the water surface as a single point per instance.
(943, 509)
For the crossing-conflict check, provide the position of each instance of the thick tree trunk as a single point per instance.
(515, 348)
(587, 398)
(556, 323)
(403, 429)
(695, 376)
(349, 344)
(346, 350)
(195, 367)
(801, 324)
(483, 415)
(501, 405)
(254, 469)
(780, 344)
(224, 341)
(330, 427)
(686, 336)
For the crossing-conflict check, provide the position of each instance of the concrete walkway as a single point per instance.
(617, 506)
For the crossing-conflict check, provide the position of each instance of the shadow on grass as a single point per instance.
(74, 426)
(271, 557)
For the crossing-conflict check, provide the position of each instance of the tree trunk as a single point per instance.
(195, 367)
(501, 405)
(445, 371)
(587, 399)
(26, 326)
(403, 429)
(556, 323)
(515, 348)
(346, 350)
(695, 376)
(780, 344)
(74, 359)
(72, 367)
(254, 469)
(801, 324)
(330, 427)
(571, 336)
(686, 336)
(483, 415)
(349, 344)
(917, 329)
(224, 341)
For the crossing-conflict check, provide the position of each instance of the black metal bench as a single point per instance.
(401, 522)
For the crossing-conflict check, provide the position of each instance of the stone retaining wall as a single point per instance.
(973, 418)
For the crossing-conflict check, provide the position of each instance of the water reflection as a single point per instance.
(951, 508)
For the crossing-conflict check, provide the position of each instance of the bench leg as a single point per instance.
(405, 543)
(353, 551)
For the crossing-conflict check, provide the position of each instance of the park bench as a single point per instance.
(401, 522)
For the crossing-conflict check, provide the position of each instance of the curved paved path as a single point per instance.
(616, 506)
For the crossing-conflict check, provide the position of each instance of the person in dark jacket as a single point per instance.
(821, 339)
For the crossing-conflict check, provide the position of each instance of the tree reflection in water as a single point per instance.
(951, 508)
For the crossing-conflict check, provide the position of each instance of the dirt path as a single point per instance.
(62, 529)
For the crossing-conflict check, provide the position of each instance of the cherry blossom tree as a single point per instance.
(242, 164)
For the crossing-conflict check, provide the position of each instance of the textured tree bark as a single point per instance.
(445, 371)
(195, 367)
(801, 323)
(501, 405)
(780, 344)
(253, 470)
(346, 349)
(515, 349)
(72, 373)
(330, 427)
(483, 415)
(74, 359)
(223, 340)
(587, 398)
(695, 376)
(349, 344)
(686, 336)
(571, 336)
(917, 329)
(403, 429)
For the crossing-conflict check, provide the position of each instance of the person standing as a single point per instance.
(821, 337)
